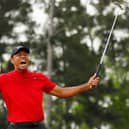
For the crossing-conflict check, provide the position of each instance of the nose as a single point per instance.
(23, 55)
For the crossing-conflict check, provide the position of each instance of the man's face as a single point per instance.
(20, 61)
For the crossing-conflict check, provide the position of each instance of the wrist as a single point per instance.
(89, 85)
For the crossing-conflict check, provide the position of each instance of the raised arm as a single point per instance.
(65, 92)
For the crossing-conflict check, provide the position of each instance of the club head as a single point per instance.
(119, 9)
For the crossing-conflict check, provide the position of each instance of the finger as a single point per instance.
(98, 78)
(94, 76)
(96, 81)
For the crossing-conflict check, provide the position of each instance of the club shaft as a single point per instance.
(107, 43)
(106, 47)
(98, 69)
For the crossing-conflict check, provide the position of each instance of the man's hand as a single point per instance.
(69, 91)
(93, 81)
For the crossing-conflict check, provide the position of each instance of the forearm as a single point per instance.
(71, 91)
(66, 92)
(74, 90)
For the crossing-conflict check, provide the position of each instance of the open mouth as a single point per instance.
(23, 62)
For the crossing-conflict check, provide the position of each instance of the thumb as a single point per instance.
(94, 76)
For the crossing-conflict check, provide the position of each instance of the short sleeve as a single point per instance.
(48, 84)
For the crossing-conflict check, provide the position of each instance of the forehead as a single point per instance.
(21, 52)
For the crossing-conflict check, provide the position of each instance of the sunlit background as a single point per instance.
(67, 39)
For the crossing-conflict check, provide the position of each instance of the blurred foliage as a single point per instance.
(75, 35)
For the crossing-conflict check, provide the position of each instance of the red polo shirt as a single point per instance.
(23, 94)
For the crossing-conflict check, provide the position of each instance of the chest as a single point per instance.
(22, 85)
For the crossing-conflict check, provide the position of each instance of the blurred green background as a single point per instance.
(67, 38)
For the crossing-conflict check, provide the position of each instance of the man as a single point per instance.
(22, 91)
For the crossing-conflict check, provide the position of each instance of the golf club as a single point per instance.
(118, 11)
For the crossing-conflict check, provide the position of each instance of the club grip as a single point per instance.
(98, 69)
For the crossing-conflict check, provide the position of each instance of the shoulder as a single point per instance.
(39, 75)
(4, 75)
